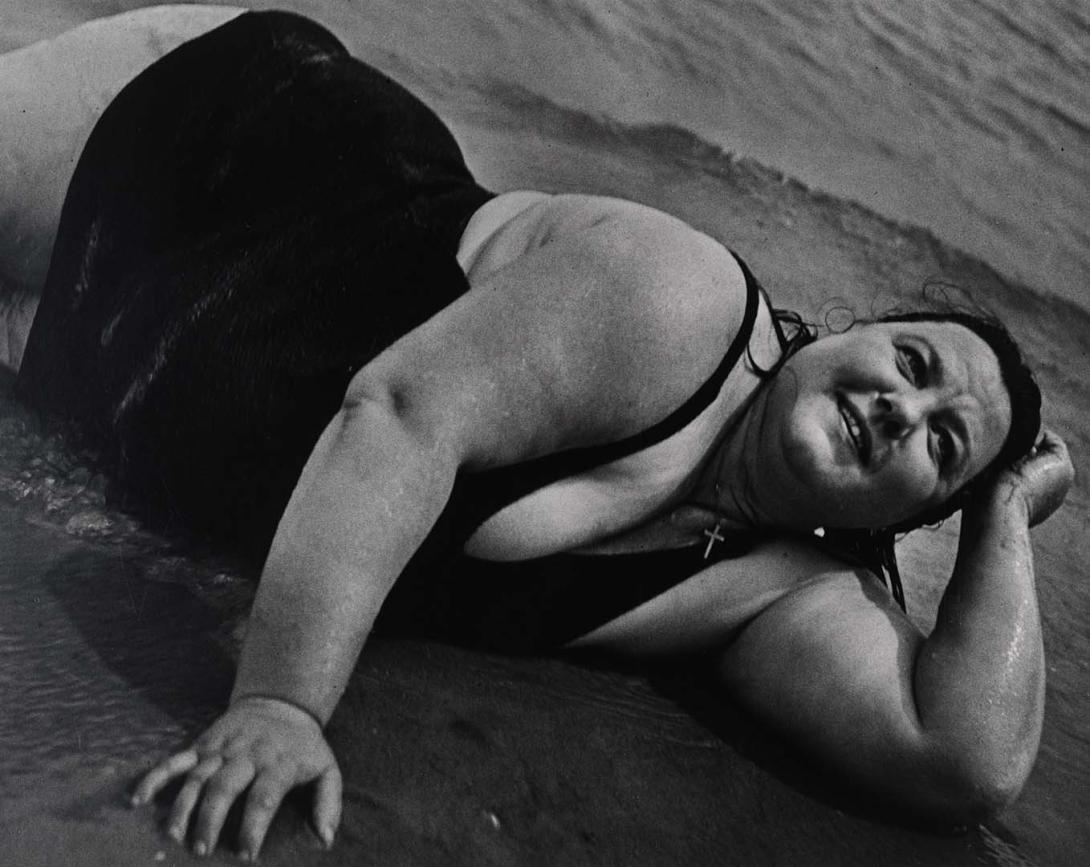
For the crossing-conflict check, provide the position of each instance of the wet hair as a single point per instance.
(875, 547)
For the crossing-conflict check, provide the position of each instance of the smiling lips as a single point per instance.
(858, 432)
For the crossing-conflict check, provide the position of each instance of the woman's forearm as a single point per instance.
(979, 678)
(369, 494)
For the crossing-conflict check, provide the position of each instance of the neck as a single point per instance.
(724, 484)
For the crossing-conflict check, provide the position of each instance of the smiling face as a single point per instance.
(875, 425)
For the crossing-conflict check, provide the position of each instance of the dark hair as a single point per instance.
(875, 548)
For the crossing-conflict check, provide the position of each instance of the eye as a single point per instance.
(913, 365)
(945, 447)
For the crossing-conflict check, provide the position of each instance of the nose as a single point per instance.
(898, 414)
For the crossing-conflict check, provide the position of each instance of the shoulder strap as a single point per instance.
(494, 489)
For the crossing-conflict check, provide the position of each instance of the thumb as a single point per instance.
(327, 805)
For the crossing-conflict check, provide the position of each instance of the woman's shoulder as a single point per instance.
(598, 315)
(660, 268)
(632, 232)
(678, 287)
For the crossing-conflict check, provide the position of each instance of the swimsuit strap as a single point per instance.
(494, 489)
(545, 602)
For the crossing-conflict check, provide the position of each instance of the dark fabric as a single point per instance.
(538, 605)
(253, 219)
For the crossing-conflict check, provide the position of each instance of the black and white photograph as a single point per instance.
(559, 432)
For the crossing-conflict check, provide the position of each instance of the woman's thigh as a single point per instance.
(51, 95)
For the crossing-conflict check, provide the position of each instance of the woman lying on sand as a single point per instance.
(285, 318)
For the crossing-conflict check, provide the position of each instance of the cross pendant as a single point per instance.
(713, 536)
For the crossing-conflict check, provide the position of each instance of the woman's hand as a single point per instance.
(262, 745)
(1042, 478)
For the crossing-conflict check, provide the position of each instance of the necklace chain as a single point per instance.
(714, 533)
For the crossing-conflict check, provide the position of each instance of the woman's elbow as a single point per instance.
(378, 401)
(977, 783)
(370, 392)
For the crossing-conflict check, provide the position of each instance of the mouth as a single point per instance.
(858, 431)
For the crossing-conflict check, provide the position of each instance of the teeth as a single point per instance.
(853, 429)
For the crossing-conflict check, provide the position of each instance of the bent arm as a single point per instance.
(979, 677)
(944, 726)
(508, 372)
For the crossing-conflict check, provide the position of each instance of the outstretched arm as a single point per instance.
(948, 725)
(510, 371)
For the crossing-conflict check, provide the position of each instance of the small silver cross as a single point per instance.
(713, 536)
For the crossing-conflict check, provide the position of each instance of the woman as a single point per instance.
(284, 316)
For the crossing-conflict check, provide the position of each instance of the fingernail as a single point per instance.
(201, 848)
(175, 833)
(246, 855)
(327, 837)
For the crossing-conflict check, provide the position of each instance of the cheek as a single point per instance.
(810, 457)
(804, 448)
(905, 487)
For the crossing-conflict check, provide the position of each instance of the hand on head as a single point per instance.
(1042, 478)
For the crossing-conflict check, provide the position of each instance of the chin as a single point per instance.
(810, 479)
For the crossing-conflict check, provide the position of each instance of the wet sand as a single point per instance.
(117, 649)
(117, 646)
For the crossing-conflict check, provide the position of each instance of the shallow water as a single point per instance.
(970, 118)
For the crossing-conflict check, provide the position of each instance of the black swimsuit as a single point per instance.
(255, 217)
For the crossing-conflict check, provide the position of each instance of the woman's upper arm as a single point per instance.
(830, 666)
(582, 340)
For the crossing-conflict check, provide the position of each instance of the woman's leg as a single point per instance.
(51, 95)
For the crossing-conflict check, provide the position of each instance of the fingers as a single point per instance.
(1053, 443)
(1050, 452)
(265, 796)
(248, 748)
(327, 805)
(1043, 477)
(163, 773)
(189, 795)
(220, 794)
(215, 785)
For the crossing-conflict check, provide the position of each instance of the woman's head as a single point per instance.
(891, 423)
(1022, 392)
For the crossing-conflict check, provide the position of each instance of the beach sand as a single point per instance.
(118, 646)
